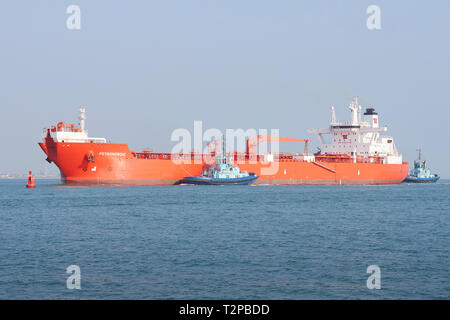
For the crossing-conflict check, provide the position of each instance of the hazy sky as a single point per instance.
(145, 68)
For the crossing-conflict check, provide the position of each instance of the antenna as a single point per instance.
(420, 153)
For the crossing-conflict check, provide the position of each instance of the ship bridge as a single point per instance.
(67, 132)
(359, 137)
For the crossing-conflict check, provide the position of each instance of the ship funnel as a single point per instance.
(371, 117)
(82, 118)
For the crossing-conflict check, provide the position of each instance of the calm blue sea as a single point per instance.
(213, 242)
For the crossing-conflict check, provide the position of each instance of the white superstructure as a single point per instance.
(66, 132)
(358, 137)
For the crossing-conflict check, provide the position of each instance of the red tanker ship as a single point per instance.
(356, 154)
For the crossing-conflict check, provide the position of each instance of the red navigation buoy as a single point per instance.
(30, 181)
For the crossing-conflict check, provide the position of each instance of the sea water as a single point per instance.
(224, 242)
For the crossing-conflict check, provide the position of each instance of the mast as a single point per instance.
(333, 115)
(223, 145)
(224, 159)
(355, 109)
(82, 118)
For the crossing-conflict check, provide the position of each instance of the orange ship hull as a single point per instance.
(110, 163)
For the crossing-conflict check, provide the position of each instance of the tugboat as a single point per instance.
(223, 173)
(421, 173)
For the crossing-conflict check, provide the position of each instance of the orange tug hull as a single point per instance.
(115, 164)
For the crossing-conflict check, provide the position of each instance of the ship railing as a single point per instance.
(343, 158)
(168, 156)
(239, 157)
(83, 140)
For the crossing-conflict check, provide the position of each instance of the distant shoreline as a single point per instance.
(24, 177)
